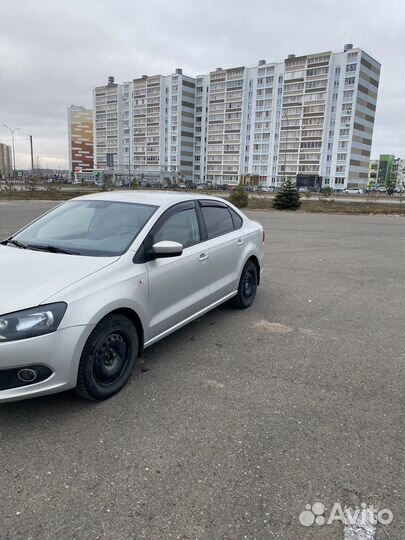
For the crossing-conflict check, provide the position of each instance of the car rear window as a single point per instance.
(217, 219)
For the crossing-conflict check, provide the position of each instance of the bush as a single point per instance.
(326, 192)
(108, 184)
(239, 198)
(287, 198)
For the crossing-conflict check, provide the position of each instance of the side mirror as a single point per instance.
(166, 248)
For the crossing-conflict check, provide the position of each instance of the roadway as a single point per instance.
(236, 422)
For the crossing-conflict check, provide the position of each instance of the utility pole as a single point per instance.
(32, 156)
(12, 141)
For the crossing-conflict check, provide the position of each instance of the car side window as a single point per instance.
(179, 227)
(237, 220)
(217, 219)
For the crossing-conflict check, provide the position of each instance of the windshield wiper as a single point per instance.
(15, 243)
(52, 249)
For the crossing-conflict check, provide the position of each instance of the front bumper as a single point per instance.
(60, 351)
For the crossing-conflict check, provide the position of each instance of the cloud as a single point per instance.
(54, 53)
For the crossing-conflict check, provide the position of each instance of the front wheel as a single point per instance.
(108, 358)
(247, 287)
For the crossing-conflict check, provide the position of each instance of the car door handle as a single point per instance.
(240, 242)
(203, 257)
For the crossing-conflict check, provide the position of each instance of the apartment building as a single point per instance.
(387, 170)
(5, 160)
(385, 166)
(81, 147)
(240, 136)
(145, 127)
(398, 173)
(200, 129)
(309, 118)
(108, 144)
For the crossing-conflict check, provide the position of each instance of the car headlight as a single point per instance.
(31, 322)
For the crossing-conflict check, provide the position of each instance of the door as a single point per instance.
(178, 286)
(226, 242)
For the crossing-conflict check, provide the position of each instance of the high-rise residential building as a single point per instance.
(201, 129)
(5, 160)
(309, 118)
(81, 147)
(108, 142)
(146, 127)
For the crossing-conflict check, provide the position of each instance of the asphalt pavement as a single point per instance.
(236, 422)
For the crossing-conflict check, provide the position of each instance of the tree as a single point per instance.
(287, 198)
(239, 197)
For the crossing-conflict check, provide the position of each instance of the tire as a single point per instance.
(108, 358)
(247, 287)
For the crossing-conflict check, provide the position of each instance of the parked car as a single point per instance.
(90, 284)
(353, 191)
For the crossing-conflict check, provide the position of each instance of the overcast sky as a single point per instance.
(54, 52)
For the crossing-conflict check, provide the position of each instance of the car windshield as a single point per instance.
(87, 227)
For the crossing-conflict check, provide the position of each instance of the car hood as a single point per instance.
(28, 278)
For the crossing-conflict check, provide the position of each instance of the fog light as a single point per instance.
(27, 375)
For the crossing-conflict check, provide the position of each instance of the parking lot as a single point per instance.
(237, 421)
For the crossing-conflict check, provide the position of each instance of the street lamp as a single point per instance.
(32, 154)
(12, 140)
(38, 165)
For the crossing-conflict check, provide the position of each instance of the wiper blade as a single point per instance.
(15, 243)
(52, 249)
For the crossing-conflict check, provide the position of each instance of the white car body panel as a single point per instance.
(29, 276)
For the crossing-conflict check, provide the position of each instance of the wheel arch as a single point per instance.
(134, 317)
(255, 261)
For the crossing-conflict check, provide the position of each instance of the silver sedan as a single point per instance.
(90, 284)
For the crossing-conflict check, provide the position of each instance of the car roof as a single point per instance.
(155, 197)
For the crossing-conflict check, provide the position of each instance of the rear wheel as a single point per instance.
(247, 287)
(108, 358)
